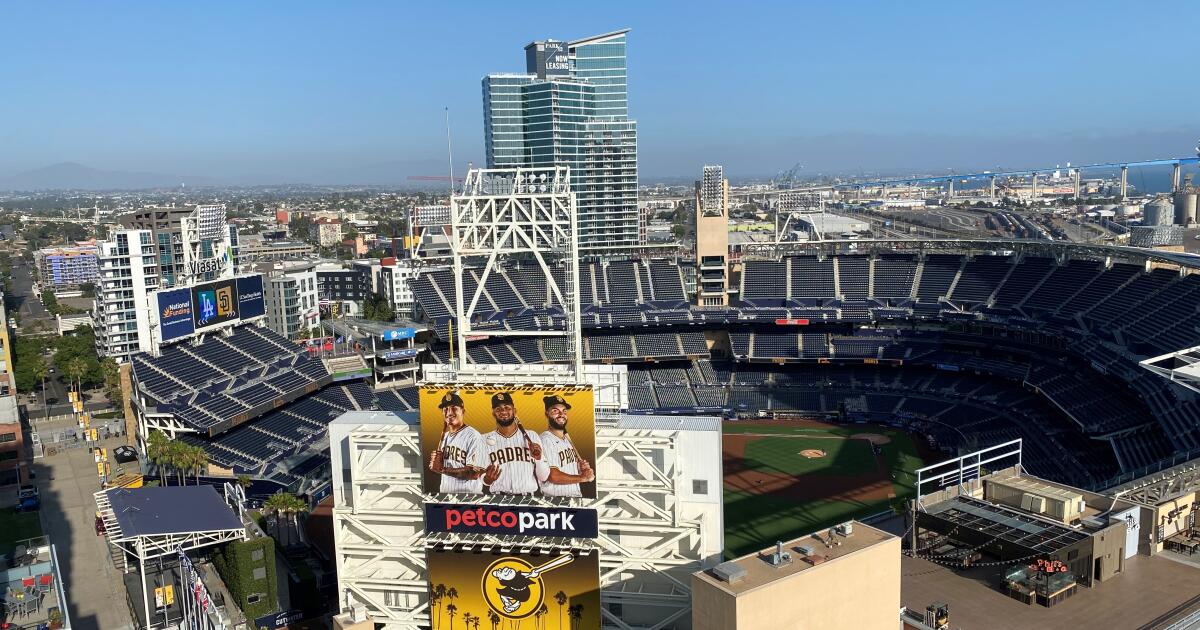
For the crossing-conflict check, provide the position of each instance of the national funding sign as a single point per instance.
(501, 520)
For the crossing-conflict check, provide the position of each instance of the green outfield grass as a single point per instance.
(755, 520)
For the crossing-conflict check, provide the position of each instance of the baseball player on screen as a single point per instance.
(514, 454)
(459, 457)
(567, 468)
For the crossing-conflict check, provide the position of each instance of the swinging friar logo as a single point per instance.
(514, 589)
(550, 588)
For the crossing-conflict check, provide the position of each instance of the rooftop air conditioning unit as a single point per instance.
(1033, 503)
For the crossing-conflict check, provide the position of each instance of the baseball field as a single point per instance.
(786, 478)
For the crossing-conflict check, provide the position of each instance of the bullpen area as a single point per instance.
(786, 478)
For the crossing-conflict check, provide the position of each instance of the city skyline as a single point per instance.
(311, 94)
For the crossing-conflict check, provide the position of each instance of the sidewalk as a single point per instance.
(67, 481)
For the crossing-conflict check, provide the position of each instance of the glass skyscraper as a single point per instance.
(571, 108)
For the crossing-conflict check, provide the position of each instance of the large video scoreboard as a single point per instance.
(185, 311)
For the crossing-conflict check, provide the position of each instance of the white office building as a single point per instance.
(395, 283)
(292, 301)
(128, 274)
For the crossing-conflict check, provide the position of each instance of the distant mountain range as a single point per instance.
(73, 176)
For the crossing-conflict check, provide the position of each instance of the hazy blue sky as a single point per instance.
(320, 92)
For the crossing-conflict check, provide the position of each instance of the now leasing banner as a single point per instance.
(511, 519)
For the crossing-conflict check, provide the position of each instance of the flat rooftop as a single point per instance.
(157, 511)
(1006, 524)
(759, 571)
(1151, 590)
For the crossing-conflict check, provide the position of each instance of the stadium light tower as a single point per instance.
(526, 213)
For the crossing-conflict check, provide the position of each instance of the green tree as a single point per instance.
(284, 504)
(88, 289)
(177, 458)
(77, 368)
(376, 307)
(111, 372)
(50, 301)
(156, 451)
(197, 461)
(29, 370)
(300, 227)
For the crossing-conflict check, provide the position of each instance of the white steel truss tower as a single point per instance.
(526, 212)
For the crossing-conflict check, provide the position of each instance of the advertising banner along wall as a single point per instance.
(559, 590)
(509, 440)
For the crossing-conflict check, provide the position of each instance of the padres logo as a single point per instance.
(513, 588)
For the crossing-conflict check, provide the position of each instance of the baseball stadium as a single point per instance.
(836, 370)
(933, 347)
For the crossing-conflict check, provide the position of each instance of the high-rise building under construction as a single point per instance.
(570, 108)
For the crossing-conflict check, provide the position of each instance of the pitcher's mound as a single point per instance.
(812, 453)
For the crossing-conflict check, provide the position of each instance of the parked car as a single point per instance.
(28, 499)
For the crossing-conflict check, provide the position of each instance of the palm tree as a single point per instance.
(451, 608)
(244, 481)
(156, 452)
(538, 620)
(76, 369)
(40, 370)
(494, 618)
(283, 503)
(177, 454)
(475, 622)
(199, 461)
(560, 598)
(467, 620)
(439, 593)
(576, 615)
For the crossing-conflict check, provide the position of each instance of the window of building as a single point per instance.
(8, 437)
(699, 486)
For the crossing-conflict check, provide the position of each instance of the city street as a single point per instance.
(28, 303)
(95, 596)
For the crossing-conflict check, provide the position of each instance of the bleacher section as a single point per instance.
(1091, 320)
(226, 381)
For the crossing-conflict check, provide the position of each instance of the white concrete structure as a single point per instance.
(658, 498)
(395, 284)
(529, 211)
(290, 293)
(128, 274)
